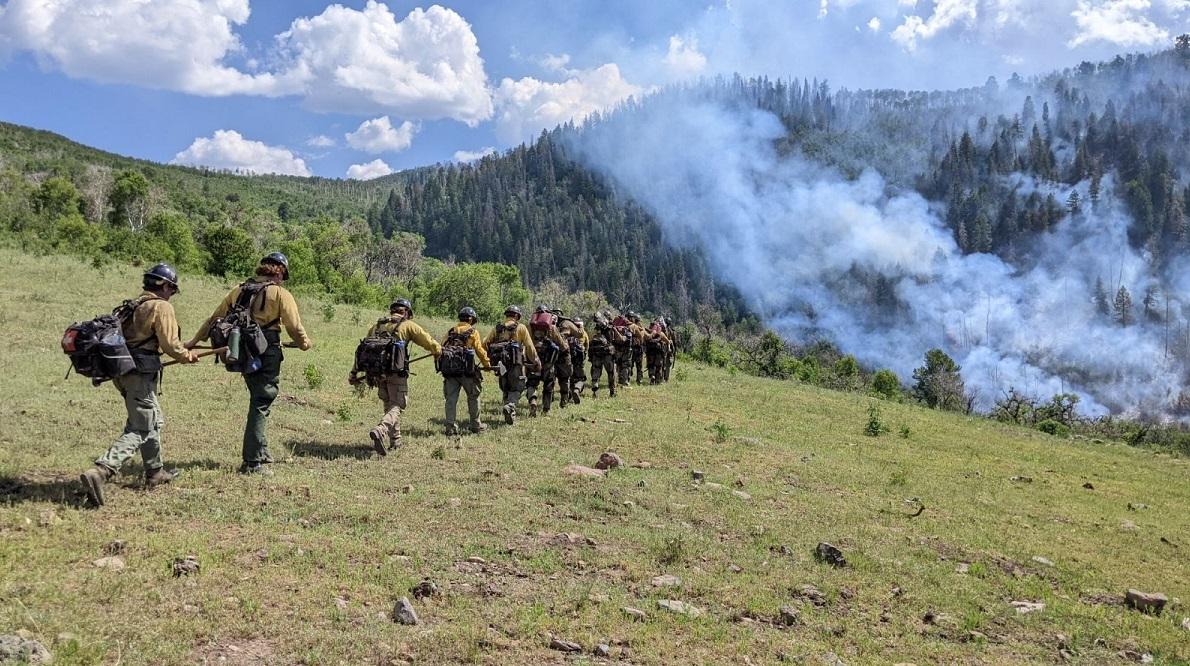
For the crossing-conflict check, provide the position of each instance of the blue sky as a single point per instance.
(384, 86)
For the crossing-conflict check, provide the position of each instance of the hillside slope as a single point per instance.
(304, 567)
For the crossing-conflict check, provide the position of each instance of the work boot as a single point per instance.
(452, 430)
(509, 414)
(576, 397)
(250, 469)
(478, 428)
(160, 477)
(93, 480)
(377, 438)
(394, 443)
(532, 409)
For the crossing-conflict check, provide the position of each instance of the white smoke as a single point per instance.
(792, 236)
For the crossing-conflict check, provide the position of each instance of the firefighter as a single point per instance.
(393, 387)
(151, 329)
(509, 346)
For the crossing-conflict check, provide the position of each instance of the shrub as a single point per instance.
(886, 384)
(1055, 428)
(720, 431)
(328, 312)
(875, 426)
(313, 376)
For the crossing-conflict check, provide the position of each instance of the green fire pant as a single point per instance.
(142, 430)
(451, 386)
(262, 391)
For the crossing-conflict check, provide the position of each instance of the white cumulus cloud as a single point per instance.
(374, 169)
(426, 65)
(166, 44)
(1120, 22)
(947, 13)
(527, 106)
(473, 155)
(379, 136)
(683, 57)
(227, 149)
(320, 141)
(874, 24)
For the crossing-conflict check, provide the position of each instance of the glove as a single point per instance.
(353, 379)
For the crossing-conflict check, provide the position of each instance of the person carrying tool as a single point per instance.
(383, 358)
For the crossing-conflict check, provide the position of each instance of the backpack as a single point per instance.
(507, 351)
(239, 332)
(381, 355)
(653, 345)
(457, 359)
(97, 348)
(542, 321)
(599, 347)
(577, 354)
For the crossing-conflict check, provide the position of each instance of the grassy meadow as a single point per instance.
(304, 567)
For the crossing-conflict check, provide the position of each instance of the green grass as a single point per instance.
(304, 567)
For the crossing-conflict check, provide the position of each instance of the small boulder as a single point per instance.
(403, 612)
(20, 650)
(1128, 525)
(111, 563)
(584, 471)
(184, 566)
(829, 554)
(1026, 607)
(1043, 561)
(603, 650)
(423, 590)
(1137, 506)
(812, 594)
(116, 547)
(634, 613)
(1022, 479)
(564, 646)
(741, 494)
(1089, 486)
(1146, 602)
(698, 474)
(609, 460)
(679, 607)
(666, 580)
(787, 616)
(644, 464)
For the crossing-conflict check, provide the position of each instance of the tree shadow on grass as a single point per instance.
(329, 451)
(61, 489)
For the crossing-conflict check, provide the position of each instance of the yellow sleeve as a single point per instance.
(204, 331)
(291, 320)
(586, 339)
(417, 334)
(526, 340)
(165, 327)
(557, 337)
(475, 343)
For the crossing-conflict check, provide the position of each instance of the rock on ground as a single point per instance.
(679, 607)
(1146, 602)
(666, 580)
(825, 552)
(403, 612)
(111, 562)
(564, 646)
(609, 460)
(184, 566)
(638, 614)
(582, 470)
(18, 650)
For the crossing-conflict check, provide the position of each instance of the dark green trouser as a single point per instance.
(142, 430)
(262, 391)
(451, 386)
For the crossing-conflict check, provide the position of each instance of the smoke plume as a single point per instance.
(796, 238)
